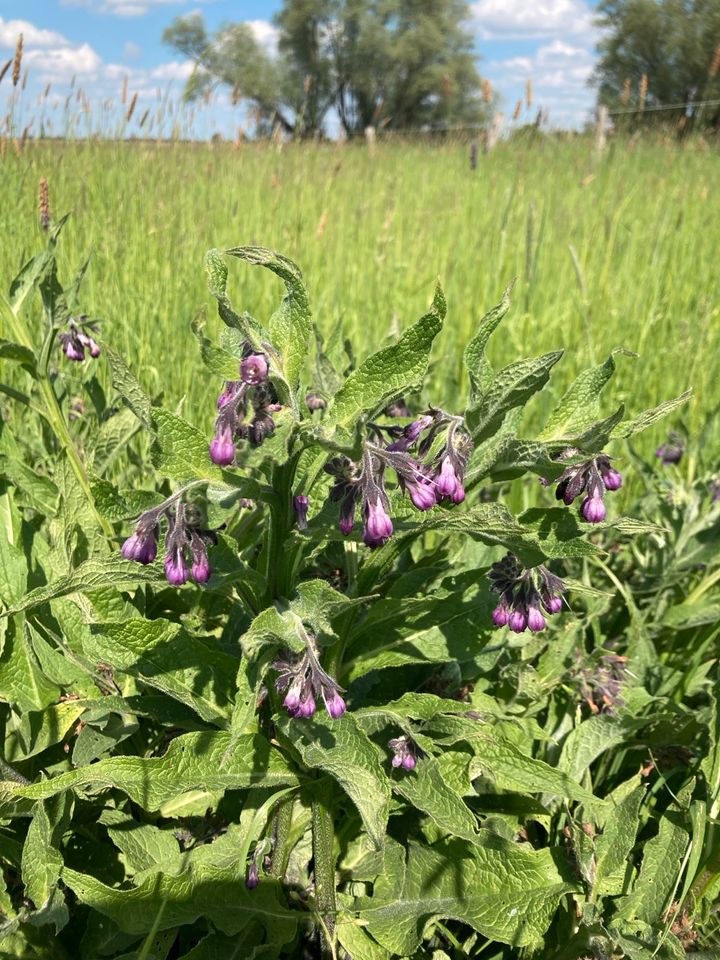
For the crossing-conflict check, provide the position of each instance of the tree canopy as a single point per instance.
(673, 43)
(395, 63)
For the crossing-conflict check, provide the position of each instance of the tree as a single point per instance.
(401, 63)
(673, 43)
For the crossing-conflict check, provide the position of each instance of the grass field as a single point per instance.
(618, 251)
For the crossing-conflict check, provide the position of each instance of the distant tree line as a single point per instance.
(656, 53)
(393, 63)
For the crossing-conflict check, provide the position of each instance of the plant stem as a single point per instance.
(54, 416)
(322, 838)
(281, 835)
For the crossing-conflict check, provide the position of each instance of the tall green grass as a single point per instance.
(616, 251)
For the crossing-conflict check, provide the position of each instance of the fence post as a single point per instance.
(601, 128)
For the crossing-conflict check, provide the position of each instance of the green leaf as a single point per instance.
(506, 891)
(144, 846)
(660, 868)
(341, 749)
(613, 846)
(39, 729)
(217, 273)
(511, 387)
(166, 656)
(182, 450)
(217, 360)
(390, 372)
(91, 575)
(36, 490)
(193, 761)
(426, 790)
(34, 271)
(579, 407)
(18, 354)
(648, 417)
(42, 863)
(476, 363)
(22, 683)
(215, 893)
(291, 326)
(128, 386)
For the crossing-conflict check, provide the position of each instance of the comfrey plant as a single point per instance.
(221, 638)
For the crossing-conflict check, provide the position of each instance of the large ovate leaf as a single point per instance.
(390, 372)
(507, 891)
(509, 388)
(341, 749)
(192, 761)
(579, 407)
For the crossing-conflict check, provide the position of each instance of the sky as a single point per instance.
(96, 43)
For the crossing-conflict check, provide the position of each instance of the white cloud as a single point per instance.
(127, 8)
(496, 19)
(559, 71)
(175, 70)
(32, 36)
(63, 62)
(265, 33)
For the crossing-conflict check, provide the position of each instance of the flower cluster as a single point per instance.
(601, 682)
(405, 752)
(672, 451)
(252, 391)
(186, 542)
(75, 341)
(428, 456)
(593, 477)
(524, 594)
(304, 682)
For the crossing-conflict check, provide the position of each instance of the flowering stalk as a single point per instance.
(593, 477)
(524, 594)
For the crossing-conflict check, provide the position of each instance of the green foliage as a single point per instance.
(149, 767)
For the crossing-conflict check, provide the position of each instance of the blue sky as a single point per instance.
(101, 41)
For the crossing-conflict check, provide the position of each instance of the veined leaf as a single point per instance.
(476, 363)
(579, 407)
(391, 371)
(504, 890)
(291, 326)
(193, 761)
(648, 417)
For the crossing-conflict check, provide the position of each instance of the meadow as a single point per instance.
(612, 251)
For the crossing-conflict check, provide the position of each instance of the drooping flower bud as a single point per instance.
(593, 509)
(535, 619)
(447, 482)
(405, 752)
(421, 491)
(612, 480)
(222, 448)
(672, 451)
(176, 570)
(253, 876)
(314, 402)
(300, 506)
(501, 614)
(200, 564)
(347, 512)
(254, 369)
(335, 705)
(378, 525)
(518, 621)
(142, 545)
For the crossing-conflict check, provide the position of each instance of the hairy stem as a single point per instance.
(323, 858)
(281, 835)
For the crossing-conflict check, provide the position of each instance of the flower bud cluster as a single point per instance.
(601, 681)
(186, 542)
(252, 392)
(304, 682)
(75, 341)
(524, 594)
(672, 451)
(427, 471)
(593, 478)
(405, 752)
